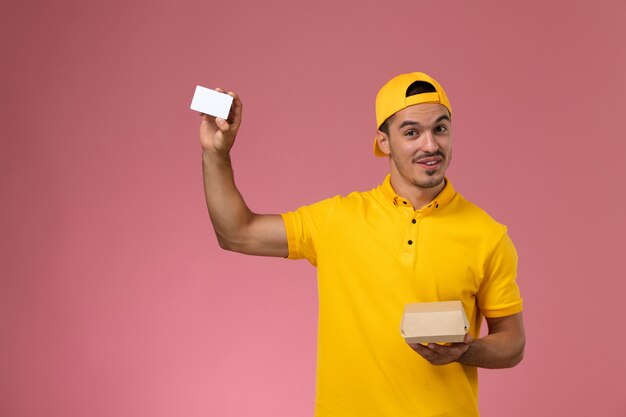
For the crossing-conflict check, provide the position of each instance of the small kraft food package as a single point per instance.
(434, 322)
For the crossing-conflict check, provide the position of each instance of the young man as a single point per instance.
(412, 239)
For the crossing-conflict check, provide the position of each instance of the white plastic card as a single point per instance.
(211, 102)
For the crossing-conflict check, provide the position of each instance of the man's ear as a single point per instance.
(383, 142)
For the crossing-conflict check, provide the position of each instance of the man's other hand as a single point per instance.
(443, 354)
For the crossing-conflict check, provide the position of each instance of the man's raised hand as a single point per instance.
(218, 135)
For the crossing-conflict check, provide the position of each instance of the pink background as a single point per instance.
(114, 297)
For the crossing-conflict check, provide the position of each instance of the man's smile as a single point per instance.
(429, 161)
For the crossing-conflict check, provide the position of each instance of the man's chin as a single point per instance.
(434, 180)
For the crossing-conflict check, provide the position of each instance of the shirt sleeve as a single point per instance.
(499, 295)
(306, 228)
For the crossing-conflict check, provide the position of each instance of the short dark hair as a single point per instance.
(418, 87)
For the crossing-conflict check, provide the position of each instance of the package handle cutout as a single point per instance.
(211, 102)
(434, 322)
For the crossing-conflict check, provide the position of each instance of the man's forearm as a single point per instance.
(503, 347)
(237, 228)
(227, 208)
(497, 350)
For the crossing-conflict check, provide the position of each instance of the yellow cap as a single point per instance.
(392, 98)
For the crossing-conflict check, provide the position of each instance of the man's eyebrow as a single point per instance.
(414, 123)
(408, 123)
(442, 117)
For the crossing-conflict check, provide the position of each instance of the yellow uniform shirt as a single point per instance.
(374, 254)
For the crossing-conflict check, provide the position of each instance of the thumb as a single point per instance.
(222, 124)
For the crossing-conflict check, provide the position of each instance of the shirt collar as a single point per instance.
(441, 200)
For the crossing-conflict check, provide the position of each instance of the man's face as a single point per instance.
(419, 144)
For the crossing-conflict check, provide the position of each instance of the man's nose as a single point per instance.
(429, 143)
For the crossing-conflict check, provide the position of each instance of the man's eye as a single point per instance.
(441, 129)
(410, 133)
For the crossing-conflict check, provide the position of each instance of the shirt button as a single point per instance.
(413, 221)
(410, 242)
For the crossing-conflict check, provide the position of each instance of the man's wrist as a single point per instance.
(464, 359)
(213, 156)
